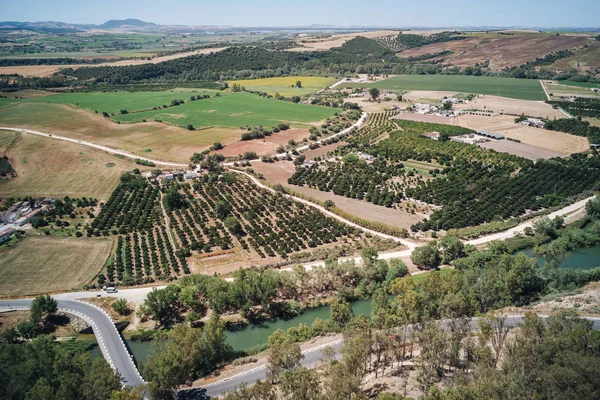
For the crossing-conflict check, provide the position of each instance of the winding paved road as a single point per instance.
(110, 341)
(313, 358)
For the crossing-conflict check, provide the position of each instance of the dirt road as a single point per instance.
(89, 144)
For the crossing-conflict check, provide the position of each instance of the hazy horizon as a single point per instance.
(278, 13)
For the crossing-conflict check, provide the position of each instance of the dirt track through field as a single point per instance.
(96, 146)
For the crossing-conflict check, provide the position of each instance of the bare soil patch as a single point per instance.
(502, 51)
(504, 124)
(265, 146)
(521, 149)
(503, 105)
(223, 263)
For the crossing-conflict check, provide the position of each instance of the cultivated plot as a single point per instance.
(48, 264)
(47, 167)
(286, 85)
(526, 89)
(114, 102)
(152, 139)
(235, 110)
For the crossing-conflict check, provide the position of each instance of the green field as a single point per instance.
(6, 101)
(283, 85)
(580, 84)
(525, 89)
(235, 110)
(114, 102)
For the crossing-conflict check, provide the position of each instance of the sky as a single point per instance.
(397, 13)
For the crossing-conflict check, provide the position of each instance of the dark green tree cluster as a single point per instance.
(45, 369)
(183, 355)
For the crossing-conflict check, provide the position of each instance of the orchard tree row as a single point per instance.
(233, 211)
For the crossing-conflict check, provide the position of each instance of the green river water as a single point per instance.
(253, 335)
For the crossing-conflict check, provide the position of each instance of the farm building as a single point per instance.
(538, 123)
(27, 217)
(366, 157)
(491, 135)
(168, 177)
(432, 135)
(9, 217)
(6, 233)
(190, 175)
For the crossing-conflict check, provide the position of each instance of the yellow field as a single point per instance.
(45, 264)
(283, 85)
(47, 167)
(168, 143)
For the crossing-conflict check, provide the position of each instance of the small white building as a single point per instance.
(190, 175)
(168, 177)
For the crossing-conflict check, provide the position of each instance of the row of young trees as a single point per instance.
(270, 224)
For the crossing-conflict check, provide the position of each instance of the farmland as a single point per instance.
(284, 85)
(234, 110)
(390, 178)
(47, 167)
(524, 89)
(152, 139)
(49, 264)
(500, 49)
(113, 102)
(208, 219)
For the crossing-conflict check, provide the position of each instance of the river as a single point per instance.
(253, 335)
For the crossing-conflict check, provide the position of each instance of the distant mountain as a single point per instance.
(125, 23)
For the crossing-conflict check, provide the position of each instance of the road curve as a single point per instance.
(110, 341)
(312, 358)
(90, 144)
